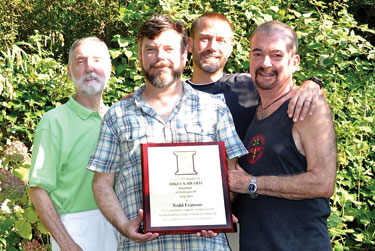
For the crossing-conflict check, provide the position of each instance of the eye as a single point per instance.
(204, 39)
(221, 41)
(257, 54)
(170, 49)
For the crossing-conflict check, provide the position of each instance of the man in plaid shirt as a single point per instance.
(164, 110)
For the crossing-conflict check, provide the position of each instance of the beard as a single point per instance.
(265, 85)
(209, 64)
(90, 88)
(162, 79)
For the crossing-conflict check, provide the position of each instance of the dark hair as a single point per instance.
(208, 15)
(159, 23)
(271, 27)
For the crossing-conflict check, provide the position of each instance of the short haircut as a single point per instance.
(84, 40)
(208, 15)
(157, 24)
(271, 27)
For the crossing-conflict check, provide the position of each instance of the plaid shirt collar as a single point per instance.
(189, 92)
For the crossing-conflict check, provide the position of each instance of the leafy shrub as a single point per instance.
(19, 222)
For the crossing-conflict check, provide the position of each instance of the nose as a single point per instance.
(213, 45)
(267, 61)
(162, 54)
(90, 65)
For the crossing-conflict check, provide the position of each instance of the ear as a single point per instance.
(184, 57)
(140, 55)
(296, 60)
(190, 44)
(230, 49)
(69, 72)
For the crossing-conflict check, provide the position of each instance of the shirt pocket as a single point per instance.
(196, 132)
(130, 144)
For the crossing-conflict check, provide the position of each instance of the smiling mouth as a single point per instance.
(90, 79)
(210, 56)
(267, 73)
(263, 74)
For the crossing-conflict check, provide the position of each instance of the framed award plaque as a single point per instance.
(185, 188)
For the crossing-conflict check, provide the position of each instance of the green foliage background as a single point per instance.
(36, 35)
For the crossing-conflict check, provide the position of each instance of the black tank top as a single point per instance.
(270, 223)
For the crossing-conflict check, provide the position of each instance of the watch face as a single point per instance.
(252, 188)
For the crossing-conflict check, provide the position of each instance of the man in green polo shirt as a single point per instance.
(64, 140)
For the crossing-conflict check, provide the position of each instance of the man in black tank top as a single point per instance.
(210, 43)
(287, 178)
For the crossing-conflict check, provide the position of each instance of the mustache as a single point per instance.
(92, 75)
(212, 54)
(262, 69)
(159, 64)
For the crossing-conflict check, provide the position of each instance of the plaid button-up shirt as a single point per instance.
(197, 117)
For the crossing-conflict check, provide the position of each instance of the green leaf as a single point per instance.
(24, 229)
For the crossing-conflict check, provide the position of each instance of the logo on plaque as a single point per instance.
(185, 163)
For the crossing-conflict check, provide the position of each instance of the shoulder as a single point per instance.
(205, 98)
(53, 116)
(237, 77)
(319, 123)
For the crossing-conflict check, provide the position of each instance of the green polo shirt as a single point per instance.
(64, 140)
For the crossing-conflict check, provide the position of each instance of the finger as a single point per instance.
(292, 105)
(211, 233)
(298, 108)
(141, 238)
(140, 216)
(234, 219)
(306, 106)
(314, 103)
(204, 234)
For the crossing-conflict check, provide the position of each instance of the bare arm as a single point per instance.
(232, 166)
(51, 220)
(315, 138)
(110, 206)
(304, 101)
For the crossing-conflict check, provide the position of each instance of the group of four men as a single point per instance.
(282, 174)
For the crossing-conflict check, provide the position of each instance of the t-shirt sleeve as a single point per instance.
(46, 157)
(226, 132)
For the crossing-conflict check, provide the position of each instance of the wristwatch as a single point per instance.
(317, 81)
(252, 188)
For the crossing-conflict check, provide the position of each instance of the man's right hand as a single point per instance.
(131, 230)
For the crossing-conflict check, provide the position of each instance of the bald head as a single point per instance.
(276, 27)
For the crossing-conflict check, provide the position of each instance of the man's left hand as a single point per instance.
(304, 100)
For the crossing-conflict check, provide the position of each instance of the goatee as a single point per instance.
(162, 79)
(265, 86)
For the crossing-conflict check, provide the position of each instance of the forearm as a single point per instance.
(301, 186)
(108, 203)
(311, 184)
(49, 217)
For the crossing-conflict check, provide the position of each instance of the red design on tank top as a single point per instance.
(256, 147)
